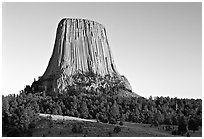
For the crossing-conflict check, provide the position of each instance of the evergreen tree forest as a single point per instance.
(20, 112)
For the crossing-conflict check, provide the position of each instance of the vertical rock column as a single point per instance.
(81, 46)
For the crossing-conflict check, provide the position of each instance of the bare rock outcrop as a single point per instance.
(82, 56)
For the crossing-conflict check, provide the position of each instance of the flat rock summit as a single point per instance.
(82, 58)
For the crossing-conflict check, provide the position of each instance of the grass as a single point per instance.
(91, 129)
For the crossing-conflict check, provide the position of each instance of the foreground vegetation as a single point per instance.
(20, 112)
(46, 127)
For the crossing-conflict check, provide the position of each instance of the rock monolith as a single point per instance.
(82, 57)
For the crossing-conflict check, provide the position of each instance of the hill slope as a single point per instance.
(63, 128)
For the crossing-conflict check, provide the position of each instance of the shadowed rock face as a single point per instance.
(81, 48)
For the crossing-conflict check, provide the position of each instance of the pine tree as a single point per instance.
(114, 111)
(193, 124)
(84, 110)
(182, 125)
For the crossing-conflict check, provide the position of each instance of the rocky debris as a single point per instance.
(82, 56)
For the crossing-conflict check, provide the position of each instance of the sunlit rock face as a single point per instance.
(82, 56)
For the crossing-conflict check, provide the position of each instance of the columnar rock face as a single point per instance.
(81, 48)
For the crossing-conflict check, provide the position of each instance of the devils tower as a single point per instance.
(82, 58)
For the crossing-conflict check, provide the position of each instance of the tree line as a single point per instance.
(21, 111)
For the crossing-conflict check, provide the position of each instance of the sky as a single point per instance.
(157, 46)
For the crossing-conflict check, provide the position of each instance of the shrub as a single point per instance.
(32, 125)
(117, 129)
(14, 133)
(168, 128)
(76, 128)
(121, 123)
(112, 121)
(49, 132)
(103, 119)
(174, 132)
(50, 123)
(109, 134)
(188, 134)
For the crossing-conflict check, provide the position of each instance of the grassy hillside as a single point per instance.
(60, 128)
